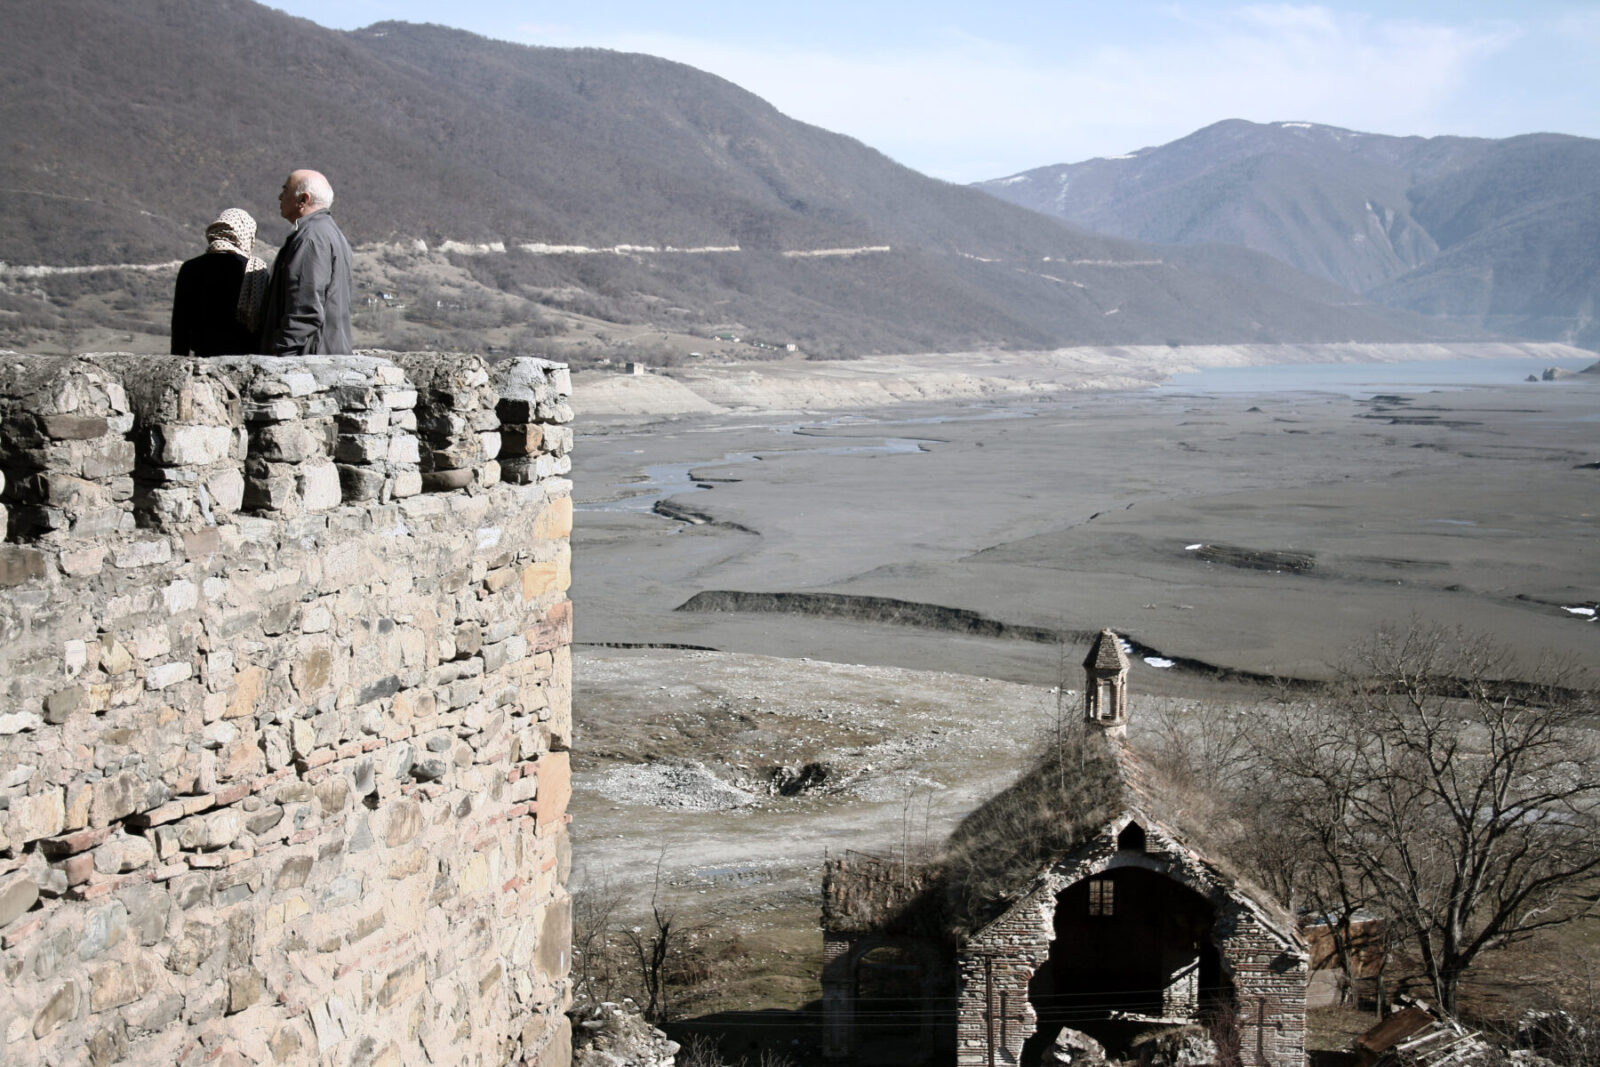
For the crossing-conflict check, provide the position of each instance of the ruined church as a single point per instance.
(1071, 905)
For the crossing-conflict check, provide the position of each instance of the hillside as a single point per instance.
(732, 213)
(1500, 234)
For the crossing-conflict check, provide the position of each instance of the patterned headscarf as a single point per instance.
(235, 231)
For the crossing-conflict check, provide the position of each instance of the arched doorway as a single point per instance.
(894, 1014)
(1132, 949)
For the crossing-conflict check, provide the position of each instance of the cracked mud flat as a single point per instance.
(1249, 533)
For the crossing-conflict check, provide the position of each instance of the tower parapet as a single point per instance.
(285, 705)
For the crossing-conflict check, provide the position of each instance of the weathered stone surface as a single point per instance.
(319, 486)
(124, 853)
(18, 892)
(36, 815)
(61, 1007)
(443, 481)
(115, 797)
(254, 747)
(215, 830)
(404, 820)
(312, 672)
(116, 984)
(19, 564)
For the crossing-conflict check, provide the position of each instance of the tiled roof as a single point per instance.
(1106, 653)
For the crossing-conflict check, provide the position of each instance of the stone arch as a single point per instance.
(886, 1000)
(1131, 941)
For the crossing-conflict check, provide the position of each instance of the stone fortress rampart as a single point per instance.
(284, 710)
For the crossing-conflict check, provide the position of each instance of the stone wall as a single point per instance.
(284, 710)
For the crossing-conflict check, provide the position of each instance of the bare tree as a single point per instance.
(1458, 803)
(1301, 838)
(652, 946)
(594, 908)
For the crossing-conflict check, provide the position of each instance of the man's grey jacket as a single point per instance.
(308, 299)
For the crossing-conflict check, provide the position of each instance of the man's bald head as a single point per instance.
(304, 191)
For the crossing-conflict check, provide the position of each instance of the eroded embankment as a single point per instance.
(940, 618)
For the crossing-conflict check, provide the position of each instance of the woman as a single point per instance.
(216, 308)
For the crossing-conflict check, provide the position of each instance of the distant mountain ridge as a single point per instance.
(131, 122)
(1499, 233)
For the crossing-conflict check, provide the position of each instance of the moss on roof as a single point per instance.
(1068, 794)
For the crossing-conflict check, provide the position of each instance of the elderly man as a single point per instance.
(308, 299)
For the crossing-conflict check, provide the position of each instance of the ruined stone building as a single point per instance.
(284, 710)
(1073, 900)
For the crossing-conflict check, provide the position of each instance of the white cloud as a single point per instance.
(964, 108)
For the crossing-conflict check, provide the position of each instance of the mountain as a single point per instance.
(131, 122)
(1497, 233)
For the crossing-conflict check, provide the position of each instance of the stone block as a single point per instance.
(18, 892)
(318, 484)
(19, 564)
(75, 495)
(558, 440)
(197, 446)
(36, 815)
(142, 553)
(359, 484)
(116, 984)
(107, 458)
(285, 442)
(168, 674)
(539, 579)
(403, 982)
(521, 439)
(16, 722)
(293, 873)
(364, 423)
(214, 830)
(407, 483)
(403, 448)
(200, 545)
(315, 619)
(554, 522)
(312, 672)
(270, 487)
(403, 820)
(245, 987)
(74, 427)
(114, 656)
(180, 596)
(444, 481)
(557, 1051)
(104, 929)
(82, 562)
(63, 1006)
(555, 787)
(124, 853)
(553, 957)
(281, 409)
(361, 448)
(116, 797)
(226, 489)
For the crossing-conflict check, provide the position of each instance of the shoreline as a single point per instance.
(795, 385)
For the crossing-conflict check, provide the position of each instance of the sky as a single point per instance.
(969, 91)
